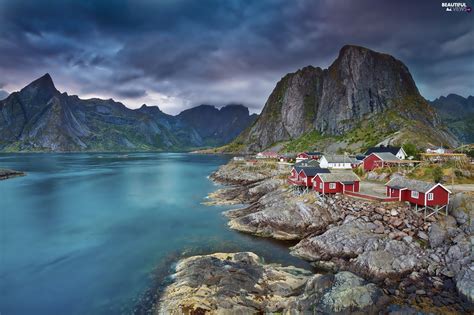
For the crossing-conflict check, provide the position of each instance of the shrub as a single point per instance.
(437, 174)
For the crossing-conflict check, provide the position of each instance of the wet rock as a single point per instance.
(240, 284)
(423, 235)
(465, 282)
(6, 173)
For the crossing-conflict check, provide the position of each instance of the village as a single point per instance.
(382, 173)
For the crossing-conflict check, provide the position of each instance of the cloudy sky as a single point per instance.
(181, 53)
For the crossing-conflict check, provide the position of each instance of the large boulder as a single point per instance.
(441, 231)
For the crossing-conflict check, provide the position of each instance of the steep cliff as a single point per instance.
(360, 89)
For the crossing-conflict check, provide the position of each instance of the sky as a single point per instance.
(181, 53)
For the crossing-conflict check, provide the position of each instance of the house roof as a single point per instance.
(383, 149)
(339, 159)
(308, 163)
(400, 182)
(314, 153)
(344, 178)
(311, 171)
(386, 156)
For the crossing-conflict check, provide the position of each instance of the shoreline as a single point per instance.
(424, 288)
(397, 262)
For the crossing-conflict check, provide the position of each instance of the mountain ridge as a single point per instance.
(458, 113)
(40, 118)
(361, 87)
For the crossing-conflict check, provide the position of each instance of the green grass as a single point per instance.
(304, 143)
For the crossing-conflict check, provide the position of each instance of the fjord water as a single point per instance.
(82, 233)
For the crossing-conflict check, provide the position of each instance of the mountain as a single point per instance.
(3, 94)
(458, 114)
(362, 99)
(40, 118)
(217, 126)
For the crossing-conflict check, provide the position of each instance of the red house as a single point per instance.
(303, 176)
(308, 155)
(376, 160)
(419, 193)
(333, 183)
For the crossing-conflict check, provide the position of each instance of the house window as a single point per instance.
(430, 196)
(414, 194)
(332, 186)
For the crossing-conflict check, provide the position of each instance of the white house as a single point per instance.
(397, 151)
(337, 162)
(439, 150)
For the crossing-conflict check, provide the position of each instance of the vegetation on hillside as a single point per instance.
(447, 173)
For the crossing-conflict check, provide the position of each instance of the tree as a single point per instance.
(437, 174)
(410, 149)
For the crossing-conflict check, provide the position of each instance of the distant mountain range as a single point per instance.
(458, 114)
(40, 118)
(364, 98)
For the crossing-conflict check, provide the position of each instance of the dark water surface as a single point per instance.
(81, 233)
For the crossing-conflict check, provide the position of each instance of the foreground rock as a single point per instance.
(241, 284)
(5, 174)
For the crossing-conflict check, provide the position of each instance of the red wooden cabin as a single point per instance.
(419, 193)
(333, 183)
(303, 176)
(376, 160)
(309, 155)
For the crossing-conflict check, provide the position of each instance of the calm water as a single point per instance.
(82, 233)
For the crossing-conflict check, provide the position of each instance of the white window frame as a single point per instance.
(321, 185)
(332, 185)
(415, 194)
(430, 196)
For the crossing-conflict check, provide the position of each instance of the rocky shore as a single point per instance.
(407, 262)
(240, 283)
(6, 173)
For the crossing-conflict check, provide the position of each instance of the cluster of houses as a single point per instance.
(331, 174)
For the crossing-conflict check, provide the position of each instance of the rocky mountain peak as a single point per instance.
(44, 82)
(41, 89)
(361, 84)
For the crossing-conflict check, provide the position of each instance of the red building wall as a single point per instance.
(441, 197)
(392, 192)
(317, 182)
(352, 187)
(369, 162)
(406, 196)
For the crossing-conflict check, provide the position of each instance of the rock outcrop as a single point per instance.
(5, 174)
(240, 283)
(360, 85)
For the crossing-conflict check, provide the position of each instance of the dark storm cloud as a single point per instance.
(179, 53)
(131, 93)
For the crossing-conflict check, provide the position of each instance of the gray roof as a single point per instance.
(388, 149)
(345, 178)
(311, 171)
(411, 184)
(339, 159)
(308, 163)
(387, 156)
